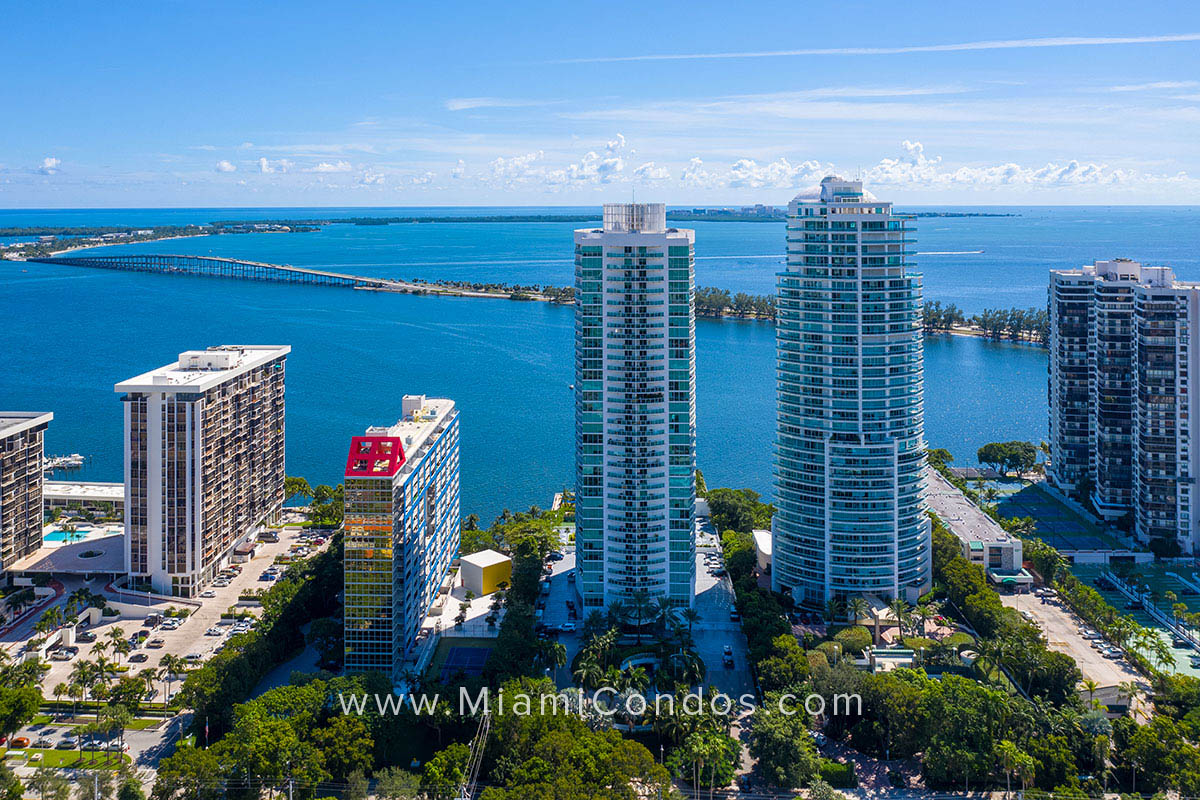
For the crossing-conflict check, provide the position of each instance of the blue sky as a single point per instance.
(568, 103)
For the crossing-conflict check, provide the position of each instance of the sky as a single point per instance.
(183, 104)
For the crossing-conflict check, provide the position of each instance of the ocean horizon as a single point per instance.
(74, 332)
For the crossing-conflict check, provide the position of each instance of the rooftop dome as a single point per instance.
(825, 190)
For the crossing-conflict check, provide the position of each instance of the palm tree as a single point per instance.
(1090, 686)
(691, 616)
(834, 609)
(616, 614)
(149, 675)
(1131, 691)
(856, 609)
(641, 609)
(172, 666)
(83, 674)
(637, 679)
(60, 689)
(924, 612)
(75, 690)
(1009, 755)
(122, 647)
(587, 674)
(899, 610)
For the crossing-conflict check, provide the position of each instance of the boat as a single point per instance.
(73, 461)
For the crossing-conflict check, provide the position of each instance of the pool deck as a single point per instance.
(68, 558)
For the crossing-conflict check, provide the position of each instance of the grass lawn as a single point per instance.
(138, 724)
(90, 759)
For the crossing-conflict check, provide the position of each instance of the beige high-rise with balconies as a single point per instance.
(204, 461)
(21, 453)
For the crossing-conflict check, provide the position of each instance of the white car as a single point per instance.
(208, 593)
(213, 632)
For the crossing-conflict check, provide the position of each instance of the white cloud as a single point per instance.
(778, 174)
(649, 172)
(371, 178)
(326, 166)
(459, 169)
(225, 166)
(510, 171)
(50, 165)
(267, 167)
(1000, 44)
(695, 176)
(1153, 86)
(424, 179)
(592, 168)
(467, 103)
(915, 169)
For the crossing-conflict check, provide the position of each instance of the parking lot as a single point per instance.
(1064, 633)
(190, 637)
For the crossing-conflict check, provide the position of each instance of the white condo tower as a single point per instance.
(635, 408)
(850, 439)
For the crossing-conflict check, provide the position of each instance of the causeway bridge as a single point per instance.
(211, 267)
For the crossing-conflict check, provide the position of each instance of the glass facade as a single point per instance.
(635, 378)
(850, 439)
(402, 530)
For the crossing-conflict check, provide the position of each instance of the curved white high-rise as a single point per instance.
(850, 442)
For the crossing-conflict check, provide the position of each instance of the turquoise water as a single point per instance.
(61, 536)
(69, 334)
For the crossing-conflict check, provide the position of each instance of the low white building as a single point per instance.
(762, 549)
(983, 541)
(107, 499)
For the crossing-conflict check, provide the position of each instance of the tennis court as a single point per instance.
(1057, 525)
(460, 655)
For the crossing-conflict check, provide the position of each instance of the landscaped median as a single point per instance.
(65, 759)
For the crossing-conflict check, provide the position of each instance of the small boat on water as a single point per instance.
(73, 461)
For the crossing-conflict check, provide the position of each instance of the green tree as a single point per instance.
(782, 745)
(189, 774)
(394, 783)
(345, 744)
(445, 772)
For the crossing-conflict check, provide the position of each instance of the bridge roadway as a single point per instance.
(209, 266)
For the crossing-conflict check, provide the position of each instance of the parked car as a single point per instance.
(20, 742)
(734, 616)
(727, 660)
(44, 742)
(85, 637)
(155, 642)
(727, 650)
(138, 658)
(567, 627)
(213, 632)
(67, 743)
(208, 593)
